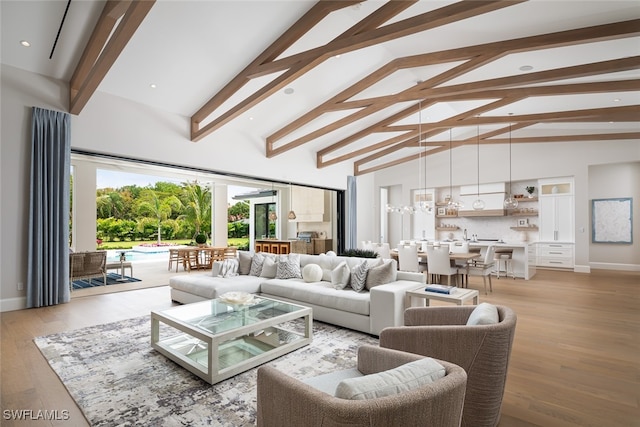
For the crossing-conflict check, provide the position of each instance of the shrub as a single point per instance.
(360, 253)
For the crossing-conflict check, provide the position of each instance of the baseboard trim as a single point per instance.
(13, 304)
(615, 266)
(582, 269)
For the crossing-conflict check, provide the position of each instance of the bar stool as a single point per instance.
(506, 255)
(284, 248)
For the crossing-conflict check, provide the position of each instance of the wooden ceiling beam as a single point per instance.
(104, 47)
(500, 49)
(425, 21)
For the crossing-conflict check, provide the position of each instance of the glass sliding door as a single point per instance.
(264, 228)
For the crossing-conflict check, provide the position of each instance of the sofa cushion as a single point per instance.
(288, 267)
(205, 286)
(312, 273)
(318, 293)
(407, 377)
(359, 276)
(340, 276)
(483, 314)
(382, 274)
(244, 260)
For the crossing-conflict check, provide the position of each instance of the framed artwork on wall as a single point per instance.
(612, 220)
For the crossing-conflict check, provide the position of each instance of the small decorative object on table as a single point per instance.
(237, 298)
(441, 289)
(530, 190)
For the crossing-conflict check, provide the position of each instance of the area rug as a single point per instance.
(117, 379)
(112, 279)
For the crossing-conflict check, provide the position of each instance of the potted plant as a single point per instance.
(530, 190)
(201, 239)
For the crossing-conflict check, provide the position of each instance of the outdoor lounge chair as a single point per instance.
(87, 265)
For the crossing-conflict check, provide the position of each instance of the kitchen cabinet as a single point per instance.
(310, 204)
(321, 246)
(559, 255)
(556, 215)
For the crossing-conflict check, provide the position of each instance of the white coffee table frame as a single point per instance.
(459, 297)
(205, 362)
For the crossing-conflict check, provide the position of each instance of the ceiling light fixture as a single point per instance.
(25, 43)
(526, 68)
(153, 86)
(288, 91)
(453, 205)
(272, 214)
(510, 202)
(292, 214)
(478, 204)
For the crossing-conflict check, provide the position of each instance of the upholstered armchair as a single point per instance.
(483, 351)
(286, 401)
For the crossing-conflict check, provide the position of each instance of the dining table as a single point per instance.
(456, 256)
(200, 257)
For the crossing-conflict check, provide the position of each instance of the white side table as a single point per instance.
(459, 297)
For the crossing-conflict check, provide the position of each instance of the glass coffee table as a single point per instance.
(216, 340)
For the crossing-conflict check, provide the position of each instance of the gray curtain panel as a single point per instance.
(48, 262)
(352, 214)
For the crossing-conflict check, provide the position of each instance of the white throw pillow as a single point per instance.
(340, 276)
(359, 276)
(484, 314)
(407, 377)
(312, 273)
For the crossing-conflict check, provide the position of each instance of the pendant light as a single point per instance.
(453, 205)
(510, 202)
(478, 204)
(272, 214)
(292, 214)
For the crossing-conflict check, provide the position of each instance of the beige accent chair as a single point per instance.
(286, 401)
(87, 265)
(483, 351)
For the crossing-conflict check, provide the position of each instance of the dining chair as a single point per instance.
(408, 258)
(463, 248)
(367, 245)
(483, 267)
(383, 250)
(440, 263)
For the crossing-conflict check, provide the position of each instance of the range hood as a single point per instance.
(492, 194)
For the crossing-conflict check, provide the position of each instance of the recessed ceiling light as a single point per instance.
(616, 100)
(289, 91)
(25, 43)
(153, 86)
(250, 118)
(526, 68)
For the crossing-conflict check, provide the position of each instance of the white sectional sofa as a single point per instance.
(378, 305)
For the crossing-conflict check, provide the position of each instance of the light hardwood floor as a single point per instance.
(575, 359)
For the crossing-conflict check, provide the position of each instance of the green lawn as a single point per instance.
(129, 244)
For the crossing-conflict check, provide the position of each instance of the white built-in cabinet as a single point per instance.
(556, 223)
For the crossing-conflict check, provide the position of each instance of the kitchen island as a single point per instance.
(524, 256)
(275, 246)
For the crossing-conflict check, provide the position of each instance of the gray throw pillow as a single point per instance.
(245, 260)
(288, 267)
(381, 274)
(256, 264)
(269, 267)
(359, 276)
(407, 377)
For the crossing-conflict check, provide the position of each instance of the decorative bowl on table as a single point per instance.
(237, 298)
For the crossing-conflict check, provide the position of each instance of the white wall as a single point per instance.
(112, 125)
(529, 162)
(616, 181)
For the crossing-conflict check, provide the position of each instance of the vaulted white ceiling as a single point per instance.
(190, 50)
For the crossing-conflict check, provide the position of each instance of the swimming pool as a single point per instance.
(113, 255)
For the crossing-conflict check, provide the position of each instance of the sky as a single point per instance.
(116, 179)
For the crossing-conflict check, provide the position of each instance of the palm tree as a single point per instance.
(198, 208)
(159, 209)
